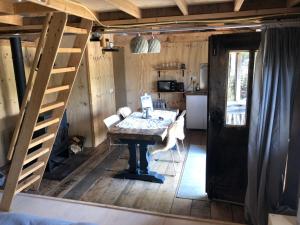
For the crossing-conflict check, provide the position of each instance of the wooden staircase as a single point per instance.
(30, 152)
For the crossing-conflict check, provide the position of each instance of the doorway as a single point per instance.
(231, 64)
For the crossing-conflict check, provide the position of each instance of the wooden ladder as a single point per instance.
(30, 153)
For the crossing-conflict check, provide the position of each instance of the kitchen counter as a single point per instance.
(201, 92)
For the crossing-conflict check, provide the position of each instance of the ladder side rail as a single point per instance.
(30, 83)
(55, 33)
(69, 79)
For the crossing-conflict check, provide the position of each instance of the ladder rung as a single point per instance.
(69, 50)
(75, 30)
(50, 106)
(63, 70)
(57, 89)
(46, 123)
(27, 182)
(30, 169)
(34, 155)
(41, 139)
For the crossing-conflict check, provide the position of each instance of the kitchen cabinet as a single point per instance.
(196, 110)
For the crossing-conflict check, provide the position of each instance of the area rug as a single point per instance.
(192, 183)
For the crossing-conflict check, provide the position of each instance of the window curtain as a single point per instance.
(275, 81)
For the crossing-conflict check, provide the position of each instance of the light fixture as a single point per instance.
(96, 36)
(139, 45)
(154, 45)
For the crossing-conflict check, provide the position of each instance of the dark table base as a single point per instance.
(141, 171)
(150, 177)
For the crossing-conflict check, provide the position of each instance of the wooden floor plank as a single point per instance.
(93, 182)
(221, 211)
(238, 215)
(181, 206)
(201, 209)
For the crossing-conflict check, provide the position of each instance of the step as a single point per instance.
(63, 70)
(46, 123)
(30, 169)
(41, 139)
(69, 50)
(27, 182)
(36, 154)
(57, 89)
(50, 106)
(75, 30)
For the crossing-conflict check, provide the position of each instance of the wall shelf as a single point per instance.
(159, 70)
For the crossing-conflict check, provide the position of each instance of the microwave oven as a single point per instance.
(166, 85)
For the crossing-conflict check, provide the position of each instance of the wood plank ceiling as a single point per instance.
(148, 13)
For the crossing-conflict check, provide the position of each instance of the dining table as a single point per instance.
(138, 133)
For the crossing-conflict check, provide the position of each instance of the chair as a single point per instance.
(124, 111)
(180, 135)
(110, 121)
(171, 142)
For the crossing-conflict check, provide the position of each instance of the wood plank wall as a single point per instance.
(141, 77)
(9, 106)
(101, 88)
(91, 101)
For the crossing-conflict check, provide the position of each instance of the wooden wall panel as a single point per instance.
(101, 86)
(9, 106)
(78, 108)
(141, 76)
(119, 78)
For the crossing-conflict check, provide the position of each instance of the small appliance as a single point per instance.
(166, 85)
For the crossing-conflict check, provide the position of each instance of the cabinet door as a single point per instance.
(196, 106)
(204, 112)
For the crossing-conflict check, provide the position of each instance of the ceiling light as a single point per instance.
(154, 45)
(139, 45)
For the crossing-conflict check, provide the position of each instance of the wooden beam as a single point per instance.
(6, 7)
(238, 4)
(182, 6)
(12, 20)
(210, 16)
(66, 6)
(29, 8)
(291, 3)
(126, 6)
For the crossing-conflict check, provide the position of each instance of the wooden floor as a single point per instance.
(93, 182)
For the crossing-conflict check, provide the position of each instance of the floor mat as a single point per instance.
(192, 183)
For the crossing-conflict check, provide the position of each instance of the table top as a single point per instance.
(138, 128)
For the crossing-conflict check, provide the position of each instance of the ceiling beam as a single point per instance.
(291, 3)
(6, 7)
(126, 6)
(66, 6)
(182, 5)
(209, 16)
(11, 20)
(238, 4)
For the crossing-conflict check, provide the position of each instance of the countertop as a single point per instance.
(201, 92)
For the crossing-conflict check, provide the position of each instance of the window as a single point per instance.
(237, 88)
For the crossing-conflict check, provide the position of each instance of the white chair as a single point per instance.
(124, 111)
(171, 142)
(180, 135)
(110, 121)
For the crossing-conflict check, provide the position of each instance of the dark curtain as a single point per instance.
(277, 70)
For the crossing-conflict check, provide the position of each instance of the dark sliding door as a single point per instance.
(231, 64)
